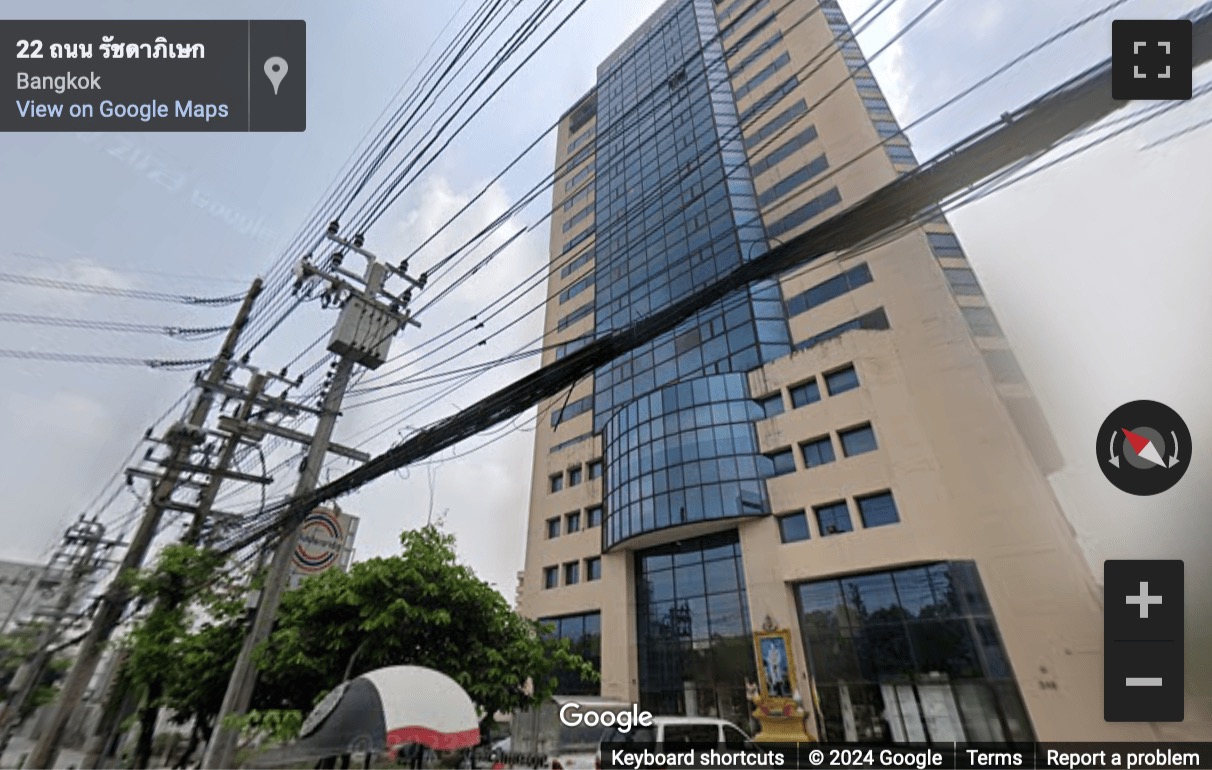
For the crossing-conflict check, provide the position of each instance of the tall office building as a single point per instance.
(849, 452)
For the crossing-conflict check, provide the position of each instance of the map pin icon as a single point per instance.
(275, 70)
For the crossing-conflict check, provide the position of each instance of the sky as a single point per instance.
(1096, 268)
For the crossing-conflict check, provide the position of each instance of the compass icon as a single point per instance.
(1144, 447)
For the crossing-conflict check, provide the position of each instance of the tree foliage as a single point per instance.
(422, 608)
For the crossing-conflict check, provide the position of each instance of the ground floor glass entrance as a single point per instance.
(909, 655)
(693, 631)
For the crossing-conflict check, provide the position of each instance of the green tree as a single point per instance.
(422, 608)
(180, 654)
(19, 646)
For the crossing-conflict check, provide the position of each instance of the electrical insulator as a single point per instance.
(333, 227)
(358, 240)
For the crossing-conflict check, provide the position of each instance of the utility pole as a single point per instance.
(231, 439)
(181, 439)
(78, 554)
(362, 336)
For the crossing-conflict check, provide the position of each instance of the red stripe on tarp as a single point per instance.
(433, 739)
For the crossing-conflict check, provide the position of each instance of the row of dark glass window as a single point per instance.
(570, 523)
(584, 258)
(838, 285)
(784, 150)
(744, 40)
(761, 105)
(876, 320)
(808, 392)
(664, 217)
(795, 179)
(578, 217)
(576, 288)
(731, 28)
(819, 451)
(572, 346)
(577, 197)
(767, 72)
(805, 212)
(578, 177)
(756, 54)
(684, 261)
(581, 138)
(572, 409)
(689, 475)
(714, 325)
(874, 510)
(579, 238)
(570, 442)
(688, 365)
(574, 316)
(575, 474)
(705, 502)
(572, 572)
(777, 123)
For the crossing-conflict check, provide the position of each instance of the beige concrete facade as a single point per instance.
(962, 445)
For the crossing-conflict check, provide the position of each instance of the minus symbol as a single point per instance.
(1143, 681)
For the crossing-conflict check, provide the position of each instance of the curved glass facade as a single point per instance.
(683, 454)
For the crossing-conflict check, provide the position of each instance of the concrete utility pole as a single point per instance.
(232, 436)
(79, 555)
(362, 336)
(181, 440)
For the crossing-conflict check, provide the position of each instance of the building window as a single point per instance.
(574, 476)
(876, 319)
(784, 150)
(551, 577)
(799, 216)
(795, 179)
(594, 516)
(570, 410)
(577, 218)
(595, 469)
(553, 527)
(572, 573)
(574, 316)
(857, 441)
(805, 393)
(877, 510)
(777, 123)
(859, 275)
(895, 641)
(900, 153)
(572, 522)
(833, 519)
(690, 597)
(793, 527)
(584, 635)
(771, 405)
(982, 321)
(784, 462)
(576, 288)
(818, 452)
(841, 381)
(962, 280)
(584, 258)
(593, 569)
(557, 482)
(944, 245)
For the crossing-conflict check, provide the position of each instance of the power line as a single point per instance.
(89, 358)
(113, 291)
(110, 326)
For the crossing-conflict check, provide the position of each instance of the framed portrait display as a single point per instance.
(776, 665)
